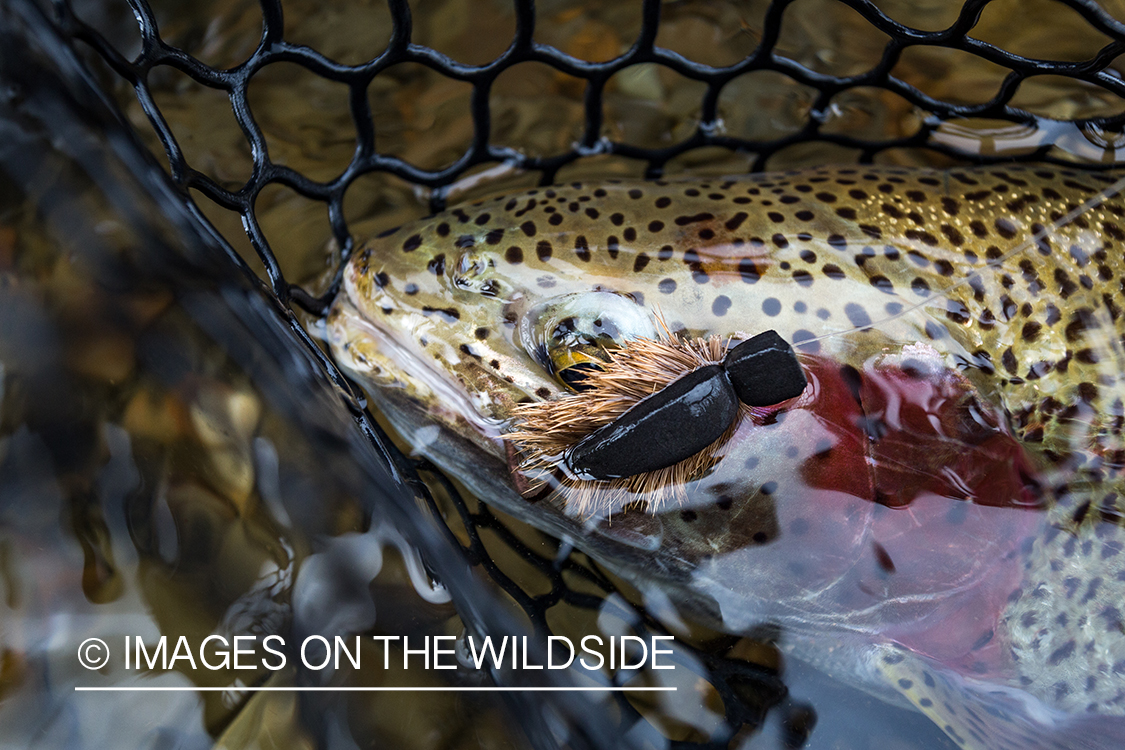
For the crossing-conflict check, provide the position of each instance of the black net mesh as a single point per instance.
(1095, 70)
(939, 121)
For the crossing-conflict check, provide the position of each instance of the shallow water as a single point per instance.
(151, 484)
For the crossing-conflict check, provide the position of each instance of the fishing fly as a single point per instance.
(651, 416)
(691, 413)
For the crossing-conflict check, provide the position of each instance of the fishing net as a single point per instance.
(880, 99)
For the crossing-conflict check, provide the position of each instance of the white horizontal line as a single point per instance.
(407, 689)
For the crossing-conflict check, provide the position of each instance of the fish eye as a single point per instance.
(573, 366)
(570, 335)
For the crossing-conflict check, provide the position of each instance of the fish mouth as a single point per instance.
(381, 357)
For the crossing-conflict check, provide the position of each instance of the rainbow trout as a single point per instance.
(937, 517)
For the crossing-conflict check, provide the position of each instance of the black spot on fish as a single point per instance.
(685, 220)
(1008, 360)
(832, 271)
(735, 221)
(448, 314)
(582, 248)
(1006, 228)
(1062, 653)
(857, 315)
(883, 284)
(983, 641)
(748, 271)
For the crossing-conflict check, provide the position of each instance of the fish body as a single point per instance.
(938, 516)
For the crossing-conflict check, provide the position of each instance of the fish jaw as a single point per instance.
(377, 357)
(395, 335)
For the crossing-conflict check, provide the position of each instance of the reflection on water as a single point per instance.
(150, 487)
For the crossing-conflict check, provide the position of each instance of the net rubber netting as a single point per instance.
(886, 43)
(769, 95)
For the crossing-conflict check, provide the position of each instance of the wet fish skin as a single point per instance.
(1014, 276)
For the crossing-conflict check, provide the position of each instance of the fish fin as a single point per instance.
(986, 716)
